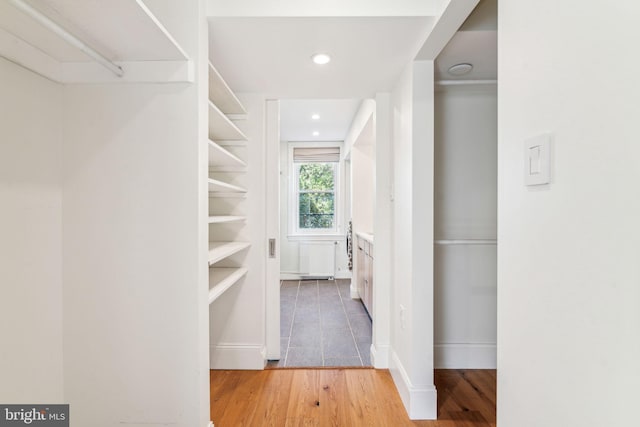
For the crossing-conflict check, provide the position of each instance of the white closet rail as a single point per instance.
(69, 38)
(465, 82)
(466, 242)
(91, 41)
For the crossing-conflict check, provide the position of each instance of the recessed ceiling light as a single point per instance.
(321, 58)
(315, 116)
(460, 69)
(316, 133)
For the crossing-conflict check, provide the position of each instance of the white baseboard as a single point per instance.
(465, 356)
(237, 356)
(354, 290)
(421, 403)
(346, 274)
(298, 276)
(380, 356)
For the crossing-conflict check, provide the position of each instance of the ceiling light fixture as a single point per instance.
(321, 58)
(460, 69)
(316, 133)
(315, 116)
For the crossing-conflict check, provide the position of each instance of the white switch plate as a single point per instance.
(537, 160)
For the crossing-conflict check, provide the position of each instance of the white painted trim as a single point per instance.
(345, 274)
(210, 424)
(292, 227)
(272, 229)
(380, 356)
(421, 403)
(353, 288)
(465, 356)
(451, 17)
(237, 356)
(363, 115)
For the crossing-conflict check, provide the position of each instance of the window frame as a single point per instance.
(295, 231)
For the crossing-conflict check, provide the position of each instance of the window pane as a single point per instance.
(316, 210)
(316, 176)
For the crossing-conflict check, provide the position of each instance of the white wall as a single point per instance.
(383, 224)
(237, 318)
(363, 179)
(465, 209)
(133, 261)
(568, 270)
(411, 352)
(31, 242)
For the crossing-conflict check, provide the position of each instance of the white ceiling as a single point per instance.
(271, 55)
(479, 48)
(335, 119)
(476, 43)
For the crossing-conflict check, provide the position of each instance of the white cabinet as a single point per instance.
(364, 271)
(225, 168)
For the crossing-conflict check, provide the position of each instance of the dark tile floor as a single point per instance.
(320, 325)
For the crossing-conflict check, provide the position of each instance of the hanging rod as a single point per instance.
(466, 242)
(465, 82)
(68, 37)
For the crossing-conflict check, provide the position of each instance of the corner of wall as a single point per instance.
(380, 356)
(420, 402)
(237, 356)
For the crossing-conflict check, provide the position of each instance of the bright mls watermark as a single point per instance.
(34, 415)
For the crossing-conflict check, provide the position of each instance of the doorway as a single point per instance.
(322, 321)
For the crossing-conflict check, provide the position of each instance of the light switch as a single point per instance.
(537, 160)
(534, 160)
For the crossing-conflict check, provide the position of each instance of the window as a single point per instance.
(316, 195)
(315, 173)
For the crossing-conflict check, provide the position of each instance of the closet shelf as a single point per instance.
(221, 250)
(221, 95)
(219, 157)
(221, 219)
(221, 186)
(221, 279)
(221, 128)
(123, 31)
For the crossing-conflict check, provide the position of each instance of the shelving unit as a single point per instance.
(221, 127)
(222, 278)
(221, 95)
(223, 162)
(221, 250)
(220, 186)
(221, 219)
(122, 29)
(220, 157)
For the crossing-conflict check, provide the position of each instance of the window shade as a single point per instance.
(316, 154)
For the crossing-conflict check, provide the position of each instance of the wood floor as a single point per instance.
(345, 398)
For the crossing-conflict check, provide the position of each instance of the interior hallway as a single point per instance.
(345, 397)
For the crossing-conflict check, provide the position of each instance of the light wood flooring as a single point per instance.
(345, 398)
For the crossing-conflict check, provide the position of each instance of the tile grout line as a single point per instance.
(320, 322)
(353, 337)
(295, 306)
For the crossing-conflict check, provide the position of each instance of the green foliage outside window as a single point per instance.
(316, 195)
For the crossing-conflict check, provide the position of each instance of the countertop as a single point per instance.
(366, 236)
